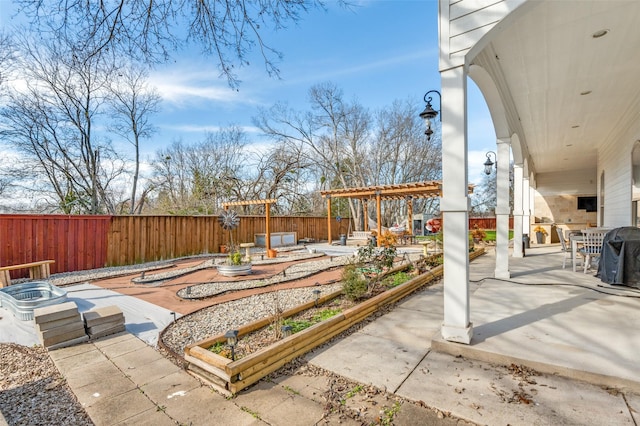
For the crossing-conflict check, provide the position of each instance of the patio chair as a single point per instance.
(592, 245)
(566, 248)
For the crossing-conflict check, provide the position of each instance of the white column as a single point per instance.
(517, 210)
(454, 206)
(526, 206)
(502, 210)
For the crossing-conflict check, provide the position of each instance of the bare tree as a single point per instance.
(50, 123)
(485, 195)
(228, 30)
(401, 153)
(197, 178)
(132, 103)
(282, 172)
(333, 136)
(7, 57)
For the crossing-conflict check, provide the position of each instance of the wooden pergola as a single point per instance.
(406, 191)
(267, 209)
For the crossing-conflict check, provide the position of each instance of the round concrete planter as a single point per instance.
(235, 270)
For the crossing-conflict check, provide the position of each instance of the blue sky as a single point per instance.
(378, 52)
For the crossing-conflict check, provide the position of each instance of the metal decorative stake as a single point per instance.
(229, 220)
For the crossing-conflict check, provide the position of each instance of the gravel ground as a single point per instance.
(28, 376)
(32, 391)
(292, 273)
(227, 316)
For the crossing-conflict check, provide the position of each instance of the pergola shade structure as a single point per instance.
(402, 191)
(267, 208)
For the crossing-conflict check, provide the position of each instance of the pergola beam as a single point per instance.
(407, 191)
(249, 202)
(267, 211)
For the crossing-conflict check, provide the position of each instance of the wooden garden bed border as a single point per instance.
(230, 377)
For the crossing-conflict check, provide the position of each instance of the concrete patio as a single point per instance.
(582, 336)
(550, 346)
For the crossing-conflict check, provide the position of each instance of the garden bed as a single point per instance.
(231, 376)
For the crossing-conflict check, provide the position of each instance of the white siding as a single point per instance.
(464, 22)
(615, 160)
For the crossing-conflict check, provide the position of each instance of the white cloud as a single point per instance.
(184, 86)
(193, 128)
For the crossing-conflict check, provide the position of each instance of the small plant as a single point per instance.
(218, 347)
(292, 391)
(540, 229)
(387, 414)
(297, 325)
(388, 239)
(354, 284)
(235, 258)
(254, 414)
(478, 234)
(326, 314)
(397, 279)
(353, 392)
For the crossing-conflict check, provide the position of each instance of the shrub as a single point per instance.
(478, 234)
(354, 285)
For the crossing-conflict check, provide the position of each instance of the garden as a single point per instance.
(373, 279)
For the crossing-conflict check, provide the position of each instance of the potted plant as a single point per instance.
(478, 234)
(235, 264)
(540, 234)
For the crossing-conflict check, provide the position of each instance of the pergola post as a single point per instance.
(379, 215)
(365, 213)
(267, 211)
(410, 214)
(329, 218)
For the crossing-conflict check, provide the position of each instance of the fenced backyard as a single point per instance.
(89, 242)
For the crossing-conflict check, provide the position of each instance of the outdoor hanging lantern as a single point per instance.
(232, 340)
(429, 113)
(286, 331)
(489, 164)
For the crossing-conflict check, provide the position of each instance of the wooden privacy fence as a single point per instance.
(486, 222)
(88, 242)
(136, 239)
(74, 242)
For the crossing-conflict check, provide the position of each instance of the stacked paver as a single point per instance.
(59, 325)
(104, 321)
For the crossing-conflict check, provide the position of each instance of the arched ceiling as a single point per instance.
(565, 91)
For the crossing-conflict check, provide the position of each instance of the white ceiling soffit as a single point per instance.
(566, 89)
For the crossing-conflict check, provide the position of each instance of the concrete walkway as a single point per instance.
(584, 336)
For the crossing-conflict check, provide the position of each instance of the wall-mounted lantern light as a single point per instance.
(489, 164)
(429, 113)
